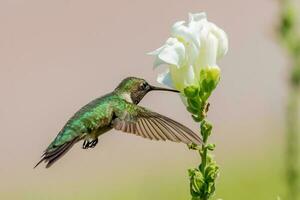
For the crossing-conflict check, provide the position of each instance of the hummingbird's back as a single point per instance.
(90, 118)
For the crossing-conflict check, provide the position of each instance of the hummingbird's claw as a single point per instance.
(94, 143)
(89, 144)
(85, 144)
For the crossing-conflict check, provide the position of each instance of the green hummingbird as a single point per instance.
(117, 110)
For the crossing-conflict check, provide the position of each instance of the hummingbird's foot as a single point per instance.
(85, 144)
(94, 143)
(89, 144)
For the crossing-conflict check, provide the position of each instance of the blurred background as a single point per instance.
(56, 56)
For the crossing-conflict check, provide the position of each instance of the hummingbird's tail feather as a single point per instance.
(51, 156)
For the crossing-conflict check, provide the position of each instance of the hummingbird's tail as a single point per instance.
(53, 154)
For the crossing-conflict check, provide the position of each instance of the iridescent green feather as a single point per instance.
(94, 115)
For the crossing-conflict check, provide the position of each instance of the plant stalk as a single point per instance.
(292, 143)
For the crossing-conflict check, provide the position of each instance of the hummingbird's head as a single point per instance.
(134, 89)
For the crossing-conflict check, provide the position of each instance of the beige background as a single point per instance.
(56, 56)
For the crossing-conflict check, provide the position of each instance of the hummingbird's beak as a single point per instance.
(162, 89)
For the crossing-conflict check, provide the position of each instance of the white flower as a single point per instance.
(193, 46)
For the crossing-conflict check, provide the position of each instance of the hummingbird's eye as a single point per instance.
(143, 86)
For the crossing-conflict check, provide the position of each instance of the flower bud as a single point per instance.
(191, 91)
(197, 180)
(210, 78)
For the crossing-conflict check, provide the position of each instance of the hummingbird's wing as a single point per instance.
(142, 122)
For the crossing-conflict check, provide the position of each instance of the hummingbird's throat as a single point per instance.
(127, 97)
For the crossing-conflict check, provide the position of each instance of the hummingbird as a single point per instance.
(118, 110)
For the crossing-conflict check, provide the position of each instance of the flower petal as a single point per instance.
(157, 61)
(156, 51)
(197, 16)
(212, 50)
(173, 53)
(190, 77)
(222, 40)
(165, 78)
(187, 34)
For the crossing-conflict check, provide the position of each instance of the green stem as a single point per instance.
(203, 151)
(292, 144)
(290, 35)
(202, 178)
(203, 154)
